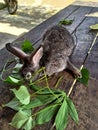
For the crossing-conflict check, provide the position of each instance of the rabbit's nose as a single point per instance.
(28, 76)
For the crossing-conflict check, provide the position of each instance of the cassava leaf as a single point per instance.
(85, 76)
(28, 111)
(65, 22)
(46, 114)
(61, 119)
(29, 124)
(22, 94)
(27, 46)
(19, 119)
(40, 100)
(18, 76)
(45, 90)
(72, 110)
(14, 104)
(12, 80)
(35, 87)
(17, 68)
(94, 27)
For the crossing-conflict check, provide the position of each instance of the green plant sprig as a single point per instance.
(53, 103)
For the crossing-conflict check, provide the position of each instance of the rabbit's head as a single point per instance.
(30, 62)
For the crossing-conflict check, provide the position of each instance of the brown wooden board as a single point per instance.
(36, 33)
(75, 16)
(78, 17)
(92, 61)
(72, 12)
(84, 38)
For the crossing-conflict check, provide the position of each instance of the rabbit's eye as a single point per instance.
(28, 76)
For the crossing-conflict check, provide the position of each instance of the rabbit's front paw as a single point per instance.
(78, 73)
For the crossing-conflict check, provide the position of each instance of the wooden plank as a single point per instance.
(84, 39)
(35, 34)
(82, 11)
(71, 12)
(92, 61)
(78, 16)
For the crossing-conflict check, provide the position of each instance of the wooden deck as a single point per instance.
(85, 98)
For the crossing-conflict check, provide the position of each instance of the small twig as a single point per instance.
(92, 78)
(58, 81)
(93, 43)
(52, 126)
(73, 84)
(89, 51)
(49, 87)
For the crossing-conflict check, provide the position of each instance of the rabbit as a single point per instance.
(53, 53)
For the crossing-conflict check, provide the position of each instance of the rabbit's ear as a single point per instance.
(16, 51)
(35, 59)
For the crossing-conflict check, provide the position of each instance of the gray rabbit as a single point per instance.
(57, 45)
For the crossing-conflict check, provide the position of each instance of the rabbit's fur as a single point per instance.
(57, 45)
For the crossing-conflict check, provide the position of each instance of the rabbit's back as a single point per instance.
(56, 40)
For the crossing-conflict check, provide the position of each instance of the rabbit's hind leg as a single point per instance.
(74, 69)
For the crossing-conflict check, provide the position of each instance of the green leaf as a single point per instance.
(85, 76)
(19, 119)
(35, 88)
(12, 80)
(27, 46)
(29, 124)
(28, 111)
(65, 22)
(40, 100)
(17, 68)
(22, 95)
(15, 72)
(45, 90)
(46, 114)
(61, 119)
(18, 76)
(14, 104)
(72, 110)
(94, 27)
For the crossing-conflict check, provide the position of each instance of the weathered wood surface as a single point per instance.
(35, 34)
(84, 98)
(92, 61)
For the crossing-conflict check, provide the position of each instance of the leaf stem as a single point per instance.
(57, 83)
(52, 126)
(49, 87)
(32, 95)
(73, 84)
(44, 109)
